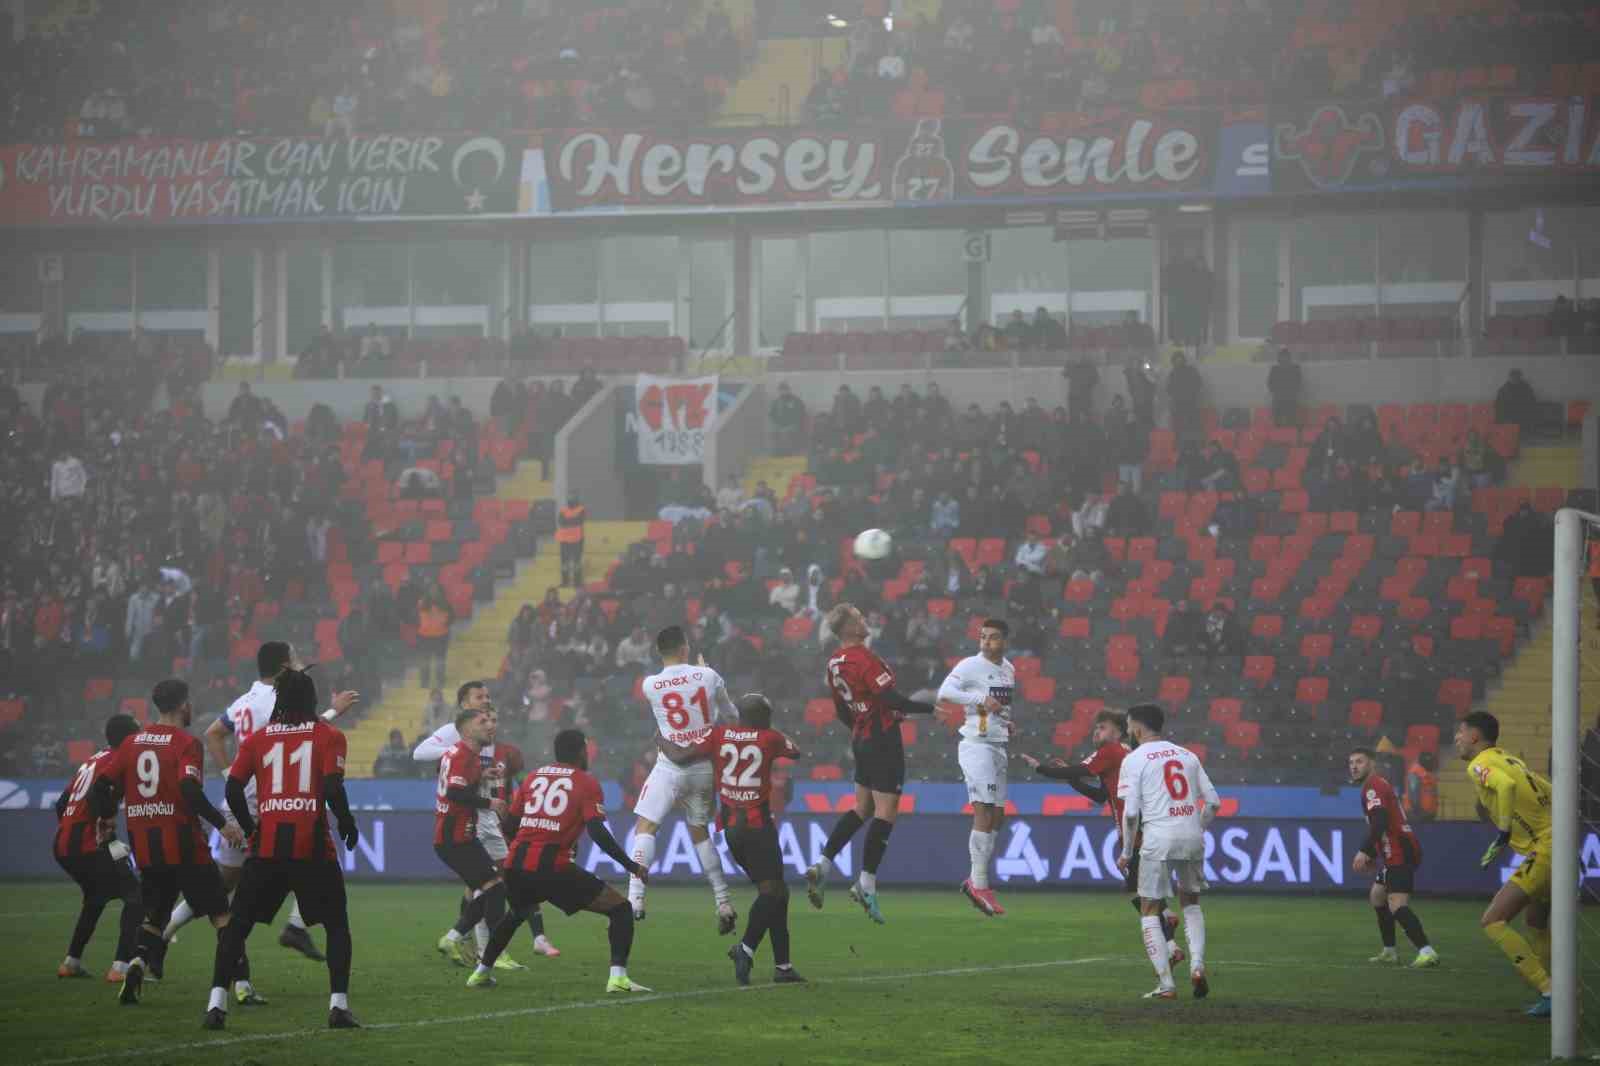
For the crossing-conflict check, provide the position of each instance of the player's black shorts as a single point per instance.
(470, 862)
(1397, 878)
(880, 761)
(571, 889)
(756, 851)
(101, 877)
(318, 887)
(200, 884)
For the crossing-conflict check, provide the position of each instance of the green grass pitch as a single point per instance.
(1056, 980)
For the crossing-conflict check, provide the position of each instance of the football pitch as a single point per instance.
(1058, 979)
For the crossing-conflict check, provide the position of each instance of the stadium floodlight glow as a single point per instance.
(836, 22)
(1193, 209)
(888, 23)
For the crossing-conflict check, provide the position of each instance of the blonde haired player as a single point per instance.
(687, 700)
(1517, 801)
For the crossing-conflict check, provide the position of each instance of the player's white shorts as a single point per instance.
(984, 767)
(1156, 876)
(669, 786)
(224, 853)
(494, 843)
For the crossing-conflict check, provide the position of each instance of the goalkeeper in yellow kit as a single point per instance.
(1517, 801)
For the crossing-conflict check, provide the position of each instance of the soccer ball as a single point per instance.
(873, 544)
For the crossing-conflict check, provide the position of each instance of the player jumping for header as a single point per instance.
(1167, 802)
(865, 699)
(1391, 842)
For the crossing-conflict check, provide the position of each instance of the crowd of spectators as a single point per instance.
(301, 67)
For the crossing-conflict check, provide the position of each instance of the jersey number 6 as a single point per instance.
(1177, 784)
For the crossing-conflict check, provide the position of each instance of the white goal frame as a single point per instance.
(1565, 734)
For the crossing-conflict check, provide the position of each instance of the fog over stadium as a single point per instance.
(1000, 388)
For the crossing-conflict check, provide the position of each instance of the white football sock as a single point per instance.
(480, 933)
(980, 846)
(182, 915)
(219, 999)
(245, 985)
(1155, 947)
(825, 866)
(119, 967)
(1194, 931)
(294, 917)
(481, 968)
(339, 1001)
(711, 863)
(644, 853)
(72, 960)
(869, 883)
(619, 971)
(452, 935)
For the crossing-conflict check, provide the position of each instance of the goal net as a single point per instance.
(1575, 780)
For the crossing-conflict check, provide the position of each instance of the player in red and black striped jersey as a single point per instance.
(743, 757)
(865, 699)
(1393, 847)
(85, 847)
(158, 770)
(297, 765)
(459, 802)
(556, 804)
(1096, 778)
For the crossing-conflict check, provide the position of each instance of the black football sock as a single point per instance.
(340, 952)
(128, 933)
(471, 915)
(1137, 909)
(494, 905)
(1385, 925)
(500, 936)
(88, 918)
(152, 948)
(843, 830)
(779, 932)
(230, 949)
(621, 932)
(1408, 921)
(241, 968)
(878, 832)
(755, 926)
(536, 923)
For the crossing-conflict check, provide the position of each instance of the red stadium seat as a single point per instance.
(1075, 628)
(1311, 690)
(1174, 690)
(1456, 692)
(1422, 738)
(1258, 669)
(797, 629)
(1316, 646)
(1039, 690)
(1366, 714)
(1243, 735)
(1225, 710)
(1266, 625)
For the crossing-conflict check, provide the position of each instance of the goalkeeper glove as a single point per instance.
(1495, 849)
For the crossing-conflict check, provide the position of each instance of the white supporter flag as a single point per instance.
(672, 418)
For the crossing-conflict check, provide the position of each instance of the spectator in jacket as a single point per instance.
(785, 595)
(1183, 393)
(1284, 382)
(1127, 515)
(1515, 403)
(1029, 558)
(140, 620)
(635, 651)
(394, 758)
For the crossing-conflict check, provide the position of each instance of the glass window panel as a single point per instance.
(172, 278)
(564, 287)
(457, 288)
(1110, 278)
(846, 280)
(1422, 262)
(710, 295)
(781, 284)
(239, 302)
(1027, 269)
(371, 286)
(1528, 258)
(640, 286)
(19, 284)
(303, 293)
(1257, 250)
(1587, 228)
(1333, 263)
(927, 277)
(99, 281)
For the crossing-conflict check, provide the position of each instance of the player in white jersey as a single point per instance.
(1169, 799)
(980, 688)
(687, 700)
(500, 762)
(250, 712)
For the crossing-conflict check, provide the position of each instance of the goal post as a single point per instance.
(1573, 531)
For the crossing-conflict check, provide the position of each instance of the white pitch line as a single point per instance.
(558, 1008)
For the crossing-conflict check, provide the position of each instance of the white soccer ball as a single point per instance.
(873, 544)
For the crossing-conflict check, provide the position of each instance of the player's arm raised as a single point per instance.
(957, 690)
(1083, 779)
(432, 748)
